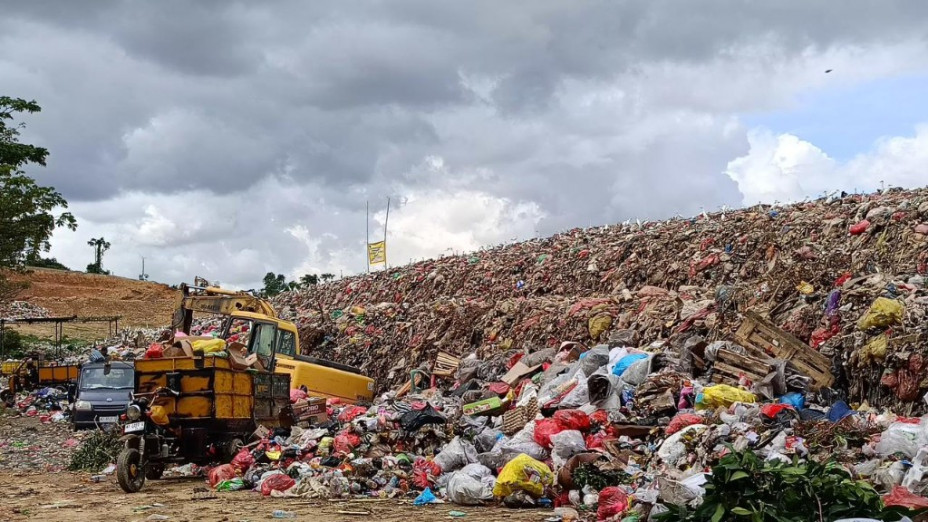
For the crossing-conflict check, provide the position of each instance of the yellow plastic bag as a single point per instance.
(805, 288)
(523, 473)
(723, 395)
(883, 312)
(599, 324)
(209, 346)
(875, 349)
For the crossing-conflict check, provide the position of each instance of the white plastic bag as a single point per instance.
(471, 485)
(579, 396)
(902, 438)
(566, 444)
(455, 455)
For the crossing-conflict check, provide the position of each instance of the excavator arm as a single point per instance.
(213, 300)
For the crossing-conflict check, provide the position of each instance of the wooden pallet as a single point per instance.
(445, 365)
(732, 365)
(764, 339)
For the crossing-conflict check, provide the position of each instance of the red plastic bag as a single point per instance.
(600, 417)
(350, 413)
(221, 473)
(154, 351)
(860, 228)
(346, 442)
(544, 428)
(424, 472)
(595, 441)
(243, 461)
(612, 501)
(279, 482)
(297, 394)
(572, 420)
(683, 420)
(905, 498)
(772, 410)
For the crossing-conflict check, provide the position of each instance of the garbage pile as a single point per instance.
(624, 429)
(13, 310)
(813, 268)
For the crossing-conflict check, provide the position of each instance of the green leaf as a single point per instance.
(719, 513)
(738, 475)
(740, 511)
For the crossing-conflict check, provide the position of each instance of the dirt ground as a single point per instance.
(139, 303)
(74, 497)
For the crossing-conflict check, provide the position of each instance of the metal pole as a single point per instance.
(387, 218)
(2, 346)
(367, 241)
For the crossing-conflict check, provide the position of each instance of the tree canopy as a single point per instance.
(27, 210)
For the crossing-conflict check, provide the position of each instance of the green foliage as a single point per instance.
(309, 280)
(26, 209)
(97, 451)
(327, 277)
(100, 246)
(12, 344)
(41, 262)
(274, 284)
(744, 487)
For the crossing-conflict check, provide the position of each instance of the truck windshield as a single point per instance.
(95, 379)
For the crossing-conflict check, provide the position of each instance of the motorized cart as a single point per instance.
(195, 410)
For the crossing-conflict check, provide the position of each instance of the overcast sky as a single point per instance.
(229, 139)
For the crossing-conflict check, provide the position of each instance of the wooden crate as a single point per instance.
(764, 338)
(730, 365)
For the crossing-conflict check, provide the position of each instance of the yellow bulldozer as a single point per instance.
(252, 321)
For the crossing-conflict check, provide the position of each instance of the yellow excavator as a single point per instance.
(253, 322)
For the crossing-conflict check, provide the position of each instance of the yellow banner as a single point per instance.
(377, 253)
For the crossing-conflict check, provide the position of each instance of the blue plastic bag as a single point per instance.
(838, 411)
(627, 361)
(426, 497)
(794, 399)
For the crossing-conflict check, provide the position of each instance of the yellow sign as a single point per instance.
(377, 253)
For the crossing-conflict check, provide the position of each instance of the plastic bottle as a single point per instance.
(279, 513)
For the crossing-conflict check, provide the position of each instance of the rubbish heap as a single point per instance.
(619, 370)
(22, 310)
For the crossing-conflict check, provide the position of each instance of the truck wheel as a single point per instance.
(129, 472)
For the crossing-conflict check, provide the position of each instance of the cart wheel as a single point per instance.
(129, 472)
(154, 472)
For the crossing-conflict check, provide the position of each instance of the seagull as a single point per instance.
(828, 71)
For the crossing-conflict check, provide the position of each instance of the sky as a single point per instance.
(228, 139)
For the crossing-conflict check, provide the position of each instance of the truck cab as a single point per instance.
(102, 394)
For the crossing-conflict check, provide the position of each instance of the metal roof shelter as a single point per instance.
(113, 326)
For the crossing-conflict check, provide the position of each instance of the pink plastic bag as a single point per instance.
(544, 428)
(296, 394)
(350, 413)
(905, 498)
(612, 501)
(243, 461)
(572, 420)
(860, 228)
(279, 482)
(346, 442)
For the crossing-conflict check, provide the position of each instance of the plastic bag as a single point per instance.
(627, 361)
(455, 455)
(682, 420)
(220, 474)
(154, 351)
(572, 420)
(297, 394)
(602, 389)
(901, 437)
(425, 472)
(524, 442)
(231, 485)
(566, 444)
(722, 395)
(243, 460)
(794, 399)
(673, 449)
(544, 429)
(612, 501)
(426, 497)
(638, 372)
(346, 442)
(350, 413)
(883, 312)
(579, 395)
(412, 420)
(471, 485)
(209, 345)
(278, 482)
(486, 439)
(904, 498)
(523, 473)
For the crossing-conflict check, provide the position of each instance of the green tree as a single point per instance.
(274, 284)
(327, 277)
(100, 246)
(27, 210)
(309, 280)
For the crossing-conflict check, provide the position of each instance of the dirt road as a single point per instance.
(74, 497)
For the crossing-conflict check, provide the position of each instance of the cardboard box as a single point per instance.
(491, 406)
(310, 411)
(518, 371)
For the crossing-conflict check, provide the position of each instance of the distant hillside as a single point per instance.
(64, 293)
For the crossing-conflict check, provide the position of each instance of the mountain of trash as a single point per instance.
(813, 268)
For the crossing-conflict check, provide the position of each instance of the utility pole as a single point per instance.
(367, 240)
(387, 218)
(143, 276)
